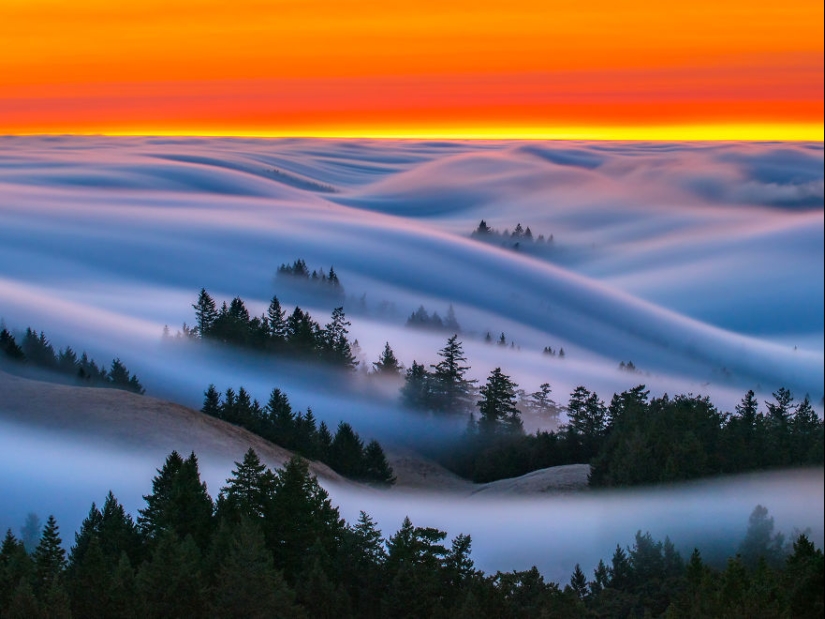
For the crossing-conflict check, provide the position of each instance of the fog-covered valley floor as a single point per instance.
(700, 263)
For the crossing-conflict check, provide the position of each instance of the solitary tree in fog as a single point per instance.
(206, 312)
(387, 364)
(277, 321)
(451, 390)
(498, 405)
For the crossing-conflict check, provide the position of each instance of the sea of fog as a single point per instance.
(701, 263)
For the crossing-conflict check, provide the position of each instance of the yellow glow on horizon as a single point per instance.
(797, 132)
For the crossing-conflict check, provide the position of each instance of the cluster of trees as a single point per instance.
(628, 367)
(298, 272)
(296, 335)
(422, 319)
(667, 439)
(35, 350)
(637, 440)
(514, 239)
(345, 452)
(445, 388)
(552, 352)
(501, 341)
(273, 545)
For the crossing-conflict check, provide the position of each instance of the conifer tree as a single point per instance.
(416, 392)
(118, 374)
(376, 467)
(249, 491)
(211, 402)
(450, 322)
(49, 557)
(277, 322)
(347, 452)
(323, 442)
(178, 503)
(10, 348)
(302, 515)
(171, 583)
(281, 418)
(452, 392)
(302, 332)
(337, 348)
(578, 582)
(541, 402)
(387, 364)
(206, 312)
(497, 407)
(247, 584)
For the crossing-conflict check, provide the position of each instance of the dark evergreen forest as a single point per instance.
(35, 352)
(273, 545)
(345, 452)
(633, 440)
(297, 335)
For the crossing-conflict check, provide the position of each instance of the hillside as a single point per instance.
(123, 420)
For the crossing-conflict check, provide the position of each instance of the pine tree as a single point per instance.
(451, 391)
(337, 348)
(277, 322)
(497, 406)
(247, 584)
(118, 374)
(206, 313)
(347, 452)
(302, 514)
(541, 402)
(211, 402)
(179, 502)
(450, 322)
(777, 421)
(171, 583)
(323, 442)
(483, 229)
(302, 332)
(387, 364)
(281, 419)
(49, 557)
(578, 582)
(15, 567)
(249, 491)
(376, 467)
(31, 531)
(417, 389)
(9, 347)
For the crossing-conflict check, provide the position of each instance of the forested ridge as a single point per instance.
(35, 351)
(344, 452)
(273, 545)
(632, 440)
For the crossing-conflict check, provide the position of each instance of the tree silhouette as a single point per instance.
(387, 364)
(498, 405)
(452, 392)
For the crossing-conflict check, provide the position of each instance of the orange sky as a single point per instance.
(703, 69)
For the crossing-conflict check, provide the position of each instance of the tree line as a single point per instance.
(274, 545)
(298, 272)
(345, 452)
(35, 351)
(633, 440)
(297, 335)
(514, 239)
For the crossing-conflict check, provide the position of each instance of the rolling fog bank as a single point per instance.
(701, 263)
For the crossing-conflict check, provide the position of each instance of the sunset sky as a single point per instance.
(621, 69)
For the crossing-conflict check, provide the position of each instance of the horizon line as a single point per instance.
(745, 132)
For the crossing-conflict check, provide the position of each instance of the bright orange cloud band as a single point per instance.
(742, 69)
